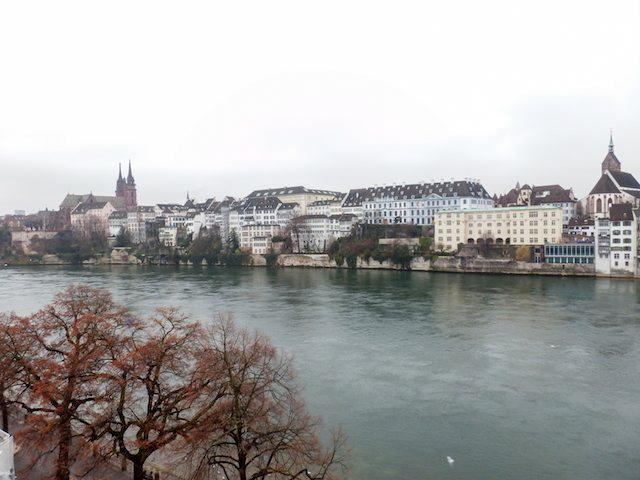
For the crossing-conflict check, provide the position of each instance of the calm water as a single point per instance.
(513, 377)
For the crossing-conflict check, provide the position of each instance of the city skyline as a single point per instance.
(240, 98)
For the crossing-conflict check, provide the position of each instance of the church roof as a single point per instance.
(72, 200)
(604, 185)
(633, 193)
(624, 179)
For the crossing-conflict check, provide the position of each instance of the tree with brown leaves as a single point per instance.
(159, 391)
(261, 429)
(70, 342)
(11, 349)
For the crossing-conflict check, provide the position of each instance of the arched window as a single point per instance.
(599, 206)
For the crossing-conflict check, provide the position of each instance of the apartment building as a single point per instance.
(527, 225)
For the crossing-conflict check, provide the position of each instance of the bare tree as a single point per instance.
(262, 429)
(69, 342)
(160, 391)
(12, 347)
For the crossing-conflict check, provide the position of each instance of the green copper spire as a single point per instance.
(611, 141)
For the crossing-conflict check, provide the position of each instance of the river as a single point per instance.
(517, 377)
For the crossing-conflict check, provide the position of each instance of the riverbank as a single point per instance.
(449, 264)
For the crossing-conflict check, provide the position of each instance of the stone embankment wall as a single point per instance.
(440, 264)
(483, 265)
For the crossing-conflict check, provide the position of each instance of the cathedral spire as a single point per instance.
(119, 170)
(130, 175)
(610, 140)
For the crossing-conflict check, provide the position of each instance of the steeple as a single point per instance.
(130, 175)
(610, 162)
(610, 141)
(120, 184)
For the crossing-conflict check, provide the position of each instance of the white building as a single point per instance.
(303, 196)
(616, 241)
(315, 233)
(529, 225)
(414, 203)
(117, 222)
(90, 217)
(252, 236)
(137, 220)
(581, 227)
(168, 236)
(260, 217)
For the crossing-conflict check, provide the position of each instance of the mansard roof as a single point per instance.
(145, 209)
(624, 179)
(297, 190)
(261, 202)
(451, 189)
(604, 185)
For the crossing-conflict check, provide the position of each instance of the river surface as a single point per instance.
(514, 377)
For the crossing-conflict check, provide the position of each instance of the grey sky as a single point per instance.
(222, 98)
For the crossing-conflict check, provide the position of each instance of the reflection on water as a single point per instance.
(513, 377)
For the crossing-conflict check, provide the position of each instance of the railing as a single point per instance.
(7, 471)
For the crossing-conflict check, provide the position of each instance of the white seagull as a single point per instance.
(450, 460)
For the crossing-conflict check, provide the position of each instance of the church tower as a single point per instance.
(130, 194)
(120, 184)
(611, 162)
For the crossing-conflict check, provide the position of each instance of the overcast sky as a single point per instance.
(222, 98)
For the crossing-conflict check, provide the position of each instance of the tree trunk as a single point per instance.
(138, 470)
(64, 445)
(4, 408)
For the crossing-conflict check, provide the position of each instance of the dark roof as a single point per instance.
(452, 189)
(85, 207)
(145, 209)
(621, 211)
(290, 191)
(510, 198)
(634, 193)
(344, 217)
(576, 222)
(624, 179)
(604, 185)
(261, 203)
(550, 194)
(72, 200)
(289, 205)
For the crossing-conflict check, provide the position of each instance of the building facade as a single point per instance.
(616, 241)
(530, 225)
(565, 253)
(414, 203)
